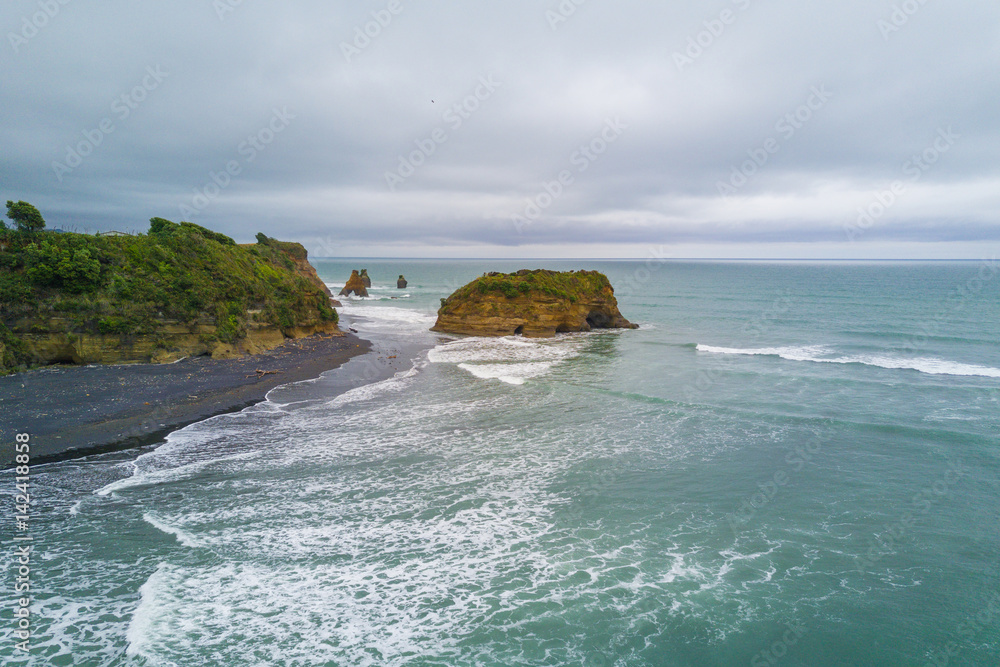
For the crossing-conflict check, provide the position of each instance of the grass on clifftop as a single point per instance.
(568, 285)
(128, 285)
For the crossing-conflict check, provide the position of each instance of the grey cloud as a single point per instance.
(324, 175)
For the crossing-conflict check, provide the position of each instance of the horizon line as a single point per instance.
(670, 259)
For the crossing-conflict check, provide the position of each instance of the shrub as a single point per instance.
(71, 306)
(14, 293)
(229, 323)
(284, 317)
(161, 226)
(13, 352)
(115, 324)
(78, 272)
(207, 233)
(230, 329)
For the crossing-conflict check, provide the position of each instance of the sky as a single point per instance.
(514, 128)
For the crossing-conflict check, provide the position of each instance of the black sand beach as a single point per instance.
(73, 411)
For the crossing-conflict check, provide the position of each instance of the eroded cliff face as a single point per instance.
(532, 303)
(50, 343)
(308, 271)
(297, 253)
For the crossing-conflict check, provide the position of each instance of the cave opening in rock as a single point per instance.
(563, 328)
(67, 355)
(519, 331)
(598, 320)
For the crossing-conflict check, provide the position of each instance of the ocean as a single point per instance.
(788, 463)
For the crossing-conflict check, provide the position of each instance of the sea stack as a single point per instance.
(401, 283)
(365, 279)
(536, 303)
(354, 286)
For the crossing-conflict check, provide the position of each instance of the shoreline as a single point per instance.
(77, 411)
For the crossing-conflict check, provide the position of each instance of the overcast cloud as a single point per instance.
(582, 128)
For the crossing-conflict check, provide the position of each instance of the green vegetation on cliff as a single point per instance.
(130, 285)
(569, 285)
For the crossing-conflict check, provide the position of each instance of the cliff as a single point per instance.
(180, 290)
(533, 303)
(299, 256)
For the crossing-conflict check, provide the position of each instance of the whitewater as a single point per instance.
(788, 463)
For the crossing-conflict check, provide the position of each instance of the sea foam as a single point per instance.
(388, 319)
(821, 354)
(182, 536)
(509, 373)
(510, 359)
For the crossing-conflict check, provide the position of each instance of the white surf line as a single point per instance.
(928, 365)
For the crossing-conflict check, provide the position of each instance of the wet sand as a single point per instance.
(72, 411)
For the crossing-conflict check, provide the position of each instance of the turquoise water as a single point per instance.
(787, 464)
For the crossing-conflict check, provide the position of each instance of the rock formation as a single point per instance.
(355, 285)
(300, 258)
(365, 279)
(307, 271)
(172, 340)
(401, 283)
(537, 303)
(248, 298)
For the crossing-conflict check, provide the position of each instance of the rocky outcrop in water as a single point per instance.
(354, 286)
(537, 303)
(365, 279)
(401, 283)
